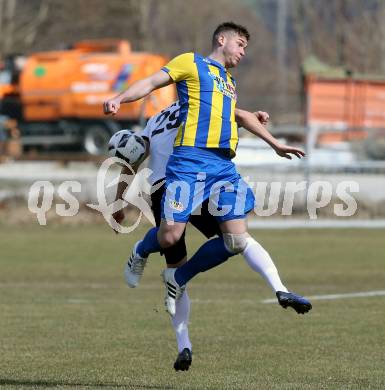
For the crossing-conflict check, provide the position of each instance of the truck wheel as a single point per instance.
(96, 139)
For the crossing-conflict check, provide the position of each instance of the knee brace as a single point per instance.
(235, 243)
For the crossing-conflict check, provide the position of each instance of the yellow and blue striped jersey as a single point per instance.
(207, 98)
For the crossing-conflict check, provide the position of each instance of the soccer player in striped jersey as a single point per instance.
(159, 135)
(204, 146)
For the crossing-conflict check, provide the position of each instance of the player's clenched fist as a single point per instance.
(111, 106)
(262, 116)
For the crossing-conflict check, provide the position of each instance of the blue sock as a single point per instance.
(149, 244)
(209, 255)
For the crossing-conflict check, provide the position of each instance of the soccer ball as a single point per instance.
(126, 145)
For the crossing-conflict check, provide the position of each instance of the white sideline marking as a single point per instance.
(337, 296)
(77, 301)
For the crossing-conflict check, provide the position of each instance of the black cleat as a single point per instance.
(183, 360)
(298, 303)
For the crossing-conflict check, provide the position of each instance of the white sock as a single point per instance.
(260, 261)
(180, 322)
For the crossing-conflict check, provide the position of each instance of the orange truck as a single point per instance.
(57, 96)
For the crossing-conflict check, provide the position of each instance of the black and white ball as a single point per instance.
(126, 145)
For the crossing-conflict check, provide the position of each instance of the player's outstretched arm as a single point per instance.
(136, 91)
(251, 123)
(123, 185)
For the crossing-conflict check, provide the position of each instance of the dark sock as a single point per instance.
(149, 244)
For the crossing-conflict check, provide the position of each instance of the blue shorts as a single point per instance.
(194, 175)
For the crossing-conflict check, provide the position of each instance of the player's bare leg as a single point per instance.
(170, 232)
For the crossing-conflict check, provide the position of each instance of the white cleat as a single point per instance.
(134, 268)
(173, 290)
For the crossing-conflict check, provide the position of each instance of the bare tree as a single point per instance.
(8, 23)
(20, 23)
(347, 33)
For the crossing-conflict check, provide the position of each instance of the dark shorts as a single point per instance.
(205, 223)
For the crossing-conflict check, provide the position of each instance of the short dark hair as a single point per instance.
(230, 26)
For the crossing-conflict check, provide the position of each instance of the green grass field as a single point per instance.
(68, 321)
